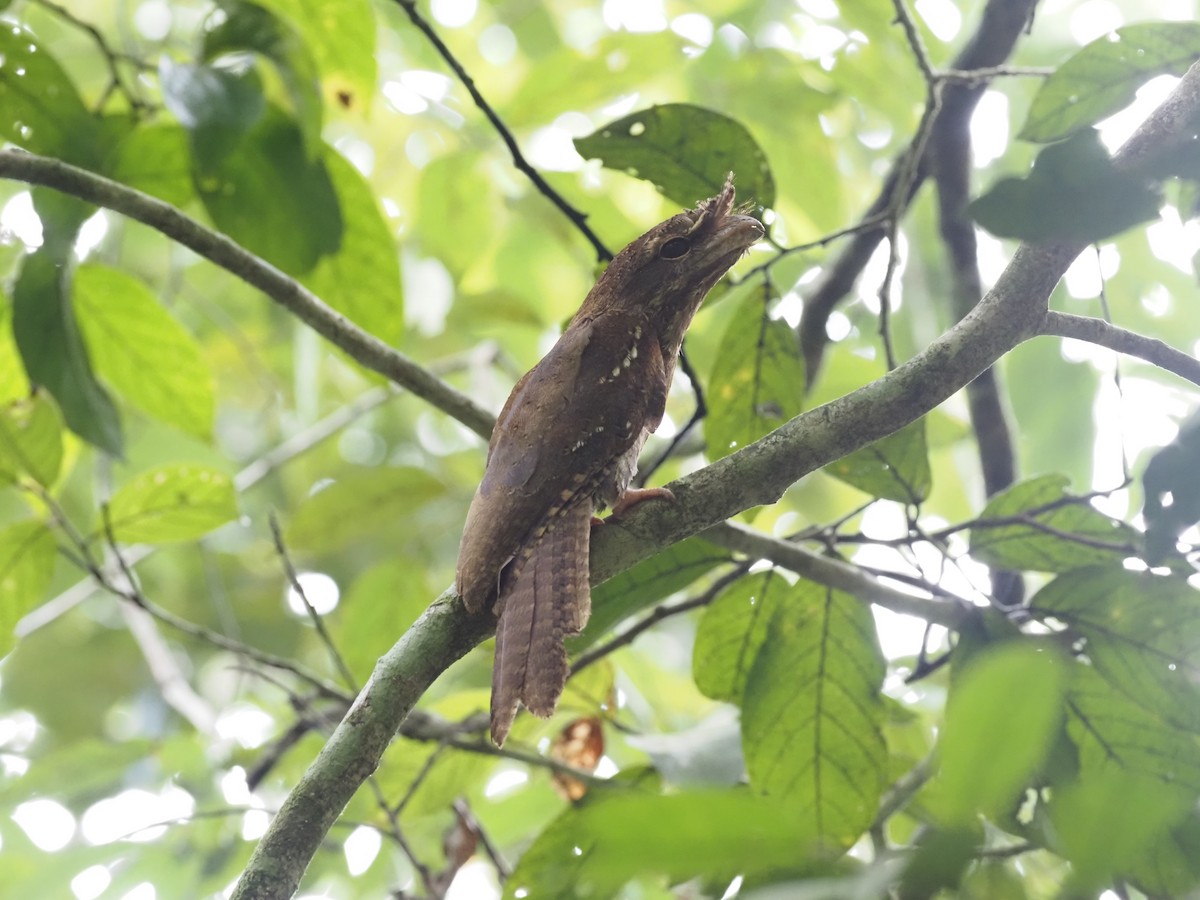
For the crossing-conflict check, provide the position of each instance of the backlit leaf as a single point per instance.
(142, 351)
(893, 468)
(27, 556)
(732, 631)
(177, 502)
(685, 151)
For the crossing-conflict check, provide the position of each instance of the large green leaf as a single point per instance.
(176, 502)
(1111, 731)
(211, 101)
(155, 159)
(141, 351)
(54, 353)
(27, 556)
(31, 433)
(1001, 719)
(254, 28)
(1140, 631)
(1037, 525)
(1073, 192)
(732, 631)
(646, 583)
(1104, 76)
(591, 850)
(1105, 824)
(812, 717)
(268, 194)
(685, 151)
(757, 380)
(893, 468)
(359, 504)
(362, 278)
(340, 34)
(40, 109)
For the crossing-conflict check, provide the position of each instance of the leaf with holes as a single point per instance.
(142, 351)
(757, 380)
(1104, 76)
(732, 631)
(178, 502)
(1036, 525)
(27, 556)
(1140, 631)
(685, 151)
(812, 717)
(645, 584)
(893, 468)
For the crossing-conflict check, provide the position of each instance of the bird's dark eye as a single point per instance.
(675, 248)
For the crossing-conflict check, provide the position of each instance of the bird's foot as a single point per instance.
(634, 496)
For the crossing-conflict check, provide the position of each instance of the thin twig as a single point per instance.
(315, 617)
(1105, 334)
(578, 219)
(463, 810)
(656, 615)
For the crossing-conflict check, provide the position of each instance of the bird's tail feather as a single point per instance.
(545, 597)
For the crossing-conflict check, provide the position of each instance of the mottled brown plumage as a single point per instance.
(567, 442)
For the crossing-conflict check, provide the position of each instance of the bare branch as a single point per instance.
(360, 345)
(1105, 334)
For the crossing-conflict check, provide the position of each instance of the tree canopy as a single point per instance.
(919, 620)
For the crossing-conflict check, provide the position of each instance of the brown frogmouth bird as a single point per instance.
(567, 442)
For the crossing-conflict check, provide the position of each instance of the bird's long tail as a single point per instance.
(544, 598)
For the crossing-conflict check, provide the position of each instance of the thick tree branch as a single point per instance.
(1013, 311)
(1105, 334)
(361, 346)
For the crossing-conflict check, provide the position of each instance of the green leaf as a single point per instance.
(1001, 718)
(340, 34)
(731, 632)
(362, 279)
(54, 354)
(177, 502)
(142, 352)
(269, 195)
(592, 849)
(685, 151)
(31, 439)
(1113, 732)
(251, 27)
(1037, 525)
(1103, 77)
(1140, 631)
(1072, 193)
(27, 556)
(1105, 824)
(358, 505)
(40, 109)
(381, 604)
(13, 383)
(811, 714)
(757, 380)
(155, 159)
(209, 99)
(893, 468)
(646, 583)
(1170, 866)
